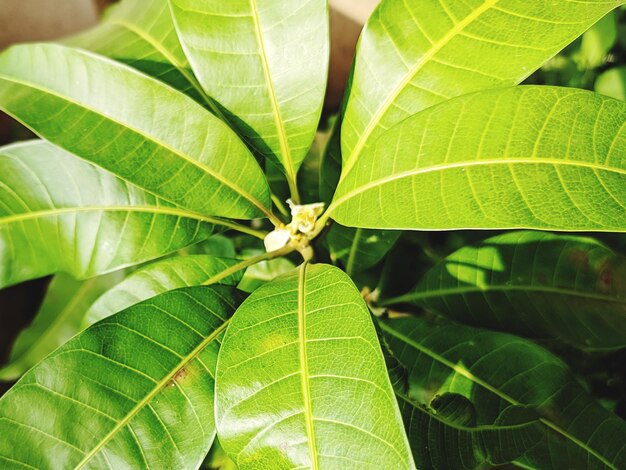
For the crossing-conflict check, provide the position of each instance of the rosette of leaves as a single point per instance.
(160, 128)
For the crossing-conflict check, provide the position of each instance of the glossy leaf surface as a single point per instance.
(141, 33)
(58, 213)
(159, 277)
(133, 126)
(301, 380)
(415, 54)
(58, 319)
(534, 284)
(265, 62)
(146, 390)
(497, 370)
(522, 157)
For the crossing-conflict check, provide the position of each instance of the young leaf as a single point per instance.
(141, 34)
(59, 318)
(133, 126)
(495, 371)
(58, 213)
(144, 397)
(522, 157)
(266, 63)
(445, 434)
(159, 277)
(301, 380)
(412, 55)
(534, 284)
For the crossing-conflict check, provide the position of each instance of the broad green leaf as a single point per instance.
(134, 126)
(265, 62)
(612, 83)
(159, 277)
(445, 435)
(301, 379)
(497, 370)
(134, 390)
(521, 157)
(58, 213)
(534, 284)
(141, 34)
(414, 54)
(359, 249)
(59, 318)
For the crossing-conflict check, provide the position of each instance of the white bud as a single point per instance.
(277, 239)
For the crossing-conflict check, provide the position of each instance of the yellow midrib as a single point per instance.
(469, 164)
(304, 376)
(428, 55)
(278, 120)
(158, 387)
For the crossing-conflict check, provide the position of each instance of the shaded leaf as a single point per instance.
(522, 157)
(58, 319)
(58, 213)
(497, 370)
(145, 379)
(289, 344)
(133, 126)
(534, 284)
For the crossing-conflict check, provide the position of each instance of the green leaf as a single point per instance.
(159, 277)
(265, 62)
(522, 157)
(134, 390)
(133, 126)
(263, 271)
(141, 34)
(497, 370)
(58, 213)
(59, 318)
(299, 376)
(413, 55)
(612, 83)
(445, 434)
(534, 284)
(359, 249)
(597, 42)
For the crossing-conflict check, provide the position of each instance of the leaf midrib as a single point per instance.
(278, 120)
(159, 386)
(468, 375)
(468, 164)
(426, 57)
(304, 375)
(426, 294)
(153, 139)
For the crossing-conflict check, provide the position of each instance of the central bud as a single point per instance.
(299, 231)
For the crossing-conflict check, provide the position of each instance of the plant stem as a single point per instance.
(235, 226)
(248, 262)
(280, 206)
(395, 300)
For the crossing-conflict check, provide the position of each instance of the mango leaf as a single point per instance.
(445, 435)
(58, 319)
(265, 62)
(522, 157)
(92, 223)
(496, 370)
(157, 278)
(299, 374)
(146, 380)
(413, 55)
(359, 249)
(134, 126)
(534, 284)
(141, 34)
(612, 83)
